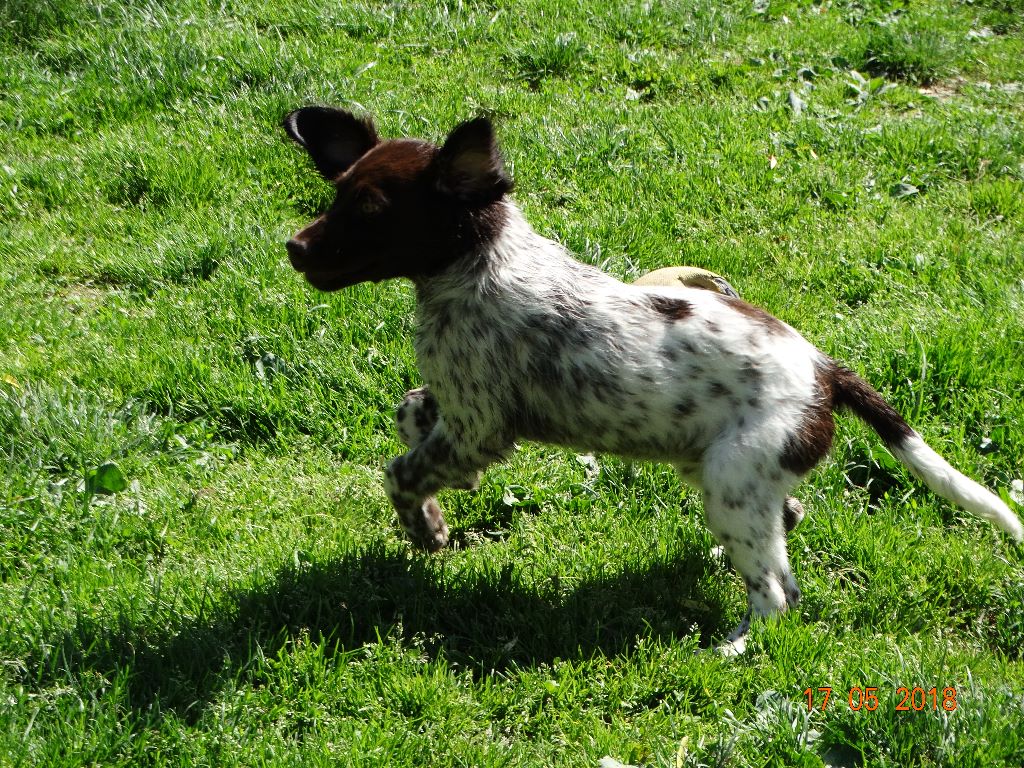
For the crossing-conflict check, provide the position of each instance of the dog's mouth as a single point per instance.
(335, 280)
(329, 281)
(304, 259)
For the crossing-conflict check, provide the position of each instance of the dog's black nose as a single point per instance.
(296, 252)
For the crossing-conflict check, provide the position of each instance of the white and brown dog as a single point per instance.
(517, 340)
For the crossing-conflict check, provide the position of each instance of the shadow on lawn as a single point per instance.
(486, 621)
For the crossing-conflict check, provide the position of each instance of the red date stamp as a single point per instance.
(916, 699)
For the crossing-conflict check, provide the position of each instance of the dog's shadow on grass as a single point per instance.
(486, 621)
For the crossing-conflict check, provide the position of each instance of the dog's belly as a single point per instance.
(617, 418)
(627, 441)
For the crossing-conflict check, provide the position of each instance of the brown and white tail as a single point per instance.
(851, 391)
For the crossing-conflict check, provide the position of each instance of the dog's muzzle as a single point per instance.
(297, 253)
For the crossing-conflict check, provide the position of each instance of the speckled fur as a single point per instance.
(529, 343)
(518, 340)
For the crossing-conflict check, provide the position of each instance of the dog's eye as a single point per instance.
(372, 204)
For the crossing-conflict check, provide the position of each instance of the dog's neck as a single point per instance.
(501, 237)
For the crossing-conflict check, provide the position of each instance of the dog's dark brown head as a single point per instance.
(402, 208)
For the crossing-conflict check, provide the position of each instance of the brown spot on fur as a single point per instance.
(839, 387)
(685, 407)
(671, 307)
(718, 389)
(391, 166)
(811, 440)
(426, 416)
(767, 321)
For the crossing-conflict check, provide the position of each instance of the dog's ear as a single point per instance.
(334, 138)
(469, 165)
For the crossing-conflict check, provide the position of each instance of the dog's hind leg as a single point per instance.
(792, 509)
(743, 512)
(759, 556)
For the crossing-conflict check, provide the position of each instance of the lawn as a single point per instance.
(198, 565)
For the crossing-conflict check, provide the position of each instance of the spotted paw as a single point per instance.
(425, 526)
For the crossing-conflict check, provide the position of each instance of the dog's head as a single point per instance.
(402, 208)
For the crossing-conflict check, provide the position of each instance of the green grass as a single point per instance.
(236, 592)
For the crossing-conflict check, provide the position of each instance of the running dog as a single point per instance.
(518, 340)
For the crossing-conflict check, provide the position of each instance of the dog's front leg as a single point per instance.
(411, 480)
(415, 418)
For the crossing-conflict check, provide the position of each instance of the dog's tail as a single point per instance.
(851, 391)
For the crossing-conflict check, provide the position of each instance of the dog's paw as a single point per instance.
(729, 648)
(425, 526)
